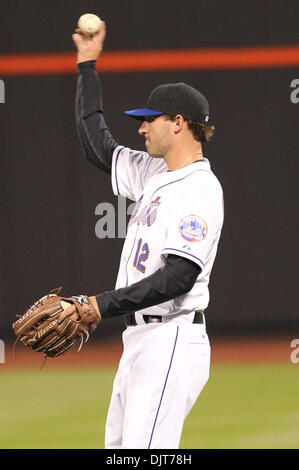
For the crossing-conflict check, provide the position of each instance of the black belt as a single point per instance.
(131, 321)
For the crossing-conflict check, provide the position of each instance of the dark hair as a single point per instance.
(201, 132)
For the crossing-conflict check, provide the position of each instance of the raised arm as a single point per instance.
(97, 142)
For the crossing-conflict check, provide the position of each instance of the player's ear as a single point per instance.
(178, 120)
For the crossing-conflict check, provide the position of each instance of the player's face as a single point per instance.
(157, 133)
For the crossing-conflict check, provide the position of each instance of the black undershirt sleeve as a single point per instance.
(174, 279)
(97, 142)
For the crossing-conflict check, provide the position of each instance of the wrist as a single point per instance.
(94, 303)
(85, 56)
(81, 59)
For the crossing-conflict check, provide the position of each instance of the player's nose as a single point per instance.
(143, 128)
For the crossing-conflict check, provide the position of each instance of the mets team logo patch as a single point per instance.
(193, 228)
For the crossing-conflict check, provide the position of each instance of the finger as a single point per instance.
(81, 34)
(78, 39)
(84, 36)
(70, 311)
(101, 34)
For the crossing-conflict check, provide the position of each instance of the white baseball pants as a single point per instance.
(163, 369)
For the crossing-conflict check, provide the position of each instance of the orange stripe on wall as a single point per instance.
(138, 61)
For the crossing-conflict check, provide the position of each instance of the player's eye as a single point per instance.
(150, 118)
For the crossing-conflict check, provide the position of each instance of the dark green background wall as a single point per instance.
(48, 193)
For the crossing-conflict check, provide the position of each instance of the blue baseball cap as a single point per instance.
(174, 98)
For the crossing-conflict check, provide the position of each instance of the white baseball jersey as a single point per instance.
(178, 212)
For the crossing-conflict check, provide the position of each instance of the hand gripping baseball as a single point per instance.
(89, 47)
(53, 324)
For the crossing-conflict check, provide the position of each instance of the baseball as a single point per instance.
(89, 23)
(65, 305)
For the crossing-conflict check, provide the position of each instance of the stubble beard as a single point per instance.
(152, 151)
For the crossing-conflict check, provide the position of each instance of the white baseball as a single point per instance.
(65, 305)
(89, 23)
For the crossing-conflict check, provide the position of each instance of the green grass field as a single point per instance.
(242, 407)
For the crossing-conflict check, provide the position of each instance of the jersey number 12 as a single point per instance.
(141, 255)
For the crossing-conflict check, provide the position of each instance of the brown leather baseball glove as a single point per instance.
(53, 324)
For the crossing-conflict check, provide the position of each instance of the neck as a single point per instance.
(180, 159)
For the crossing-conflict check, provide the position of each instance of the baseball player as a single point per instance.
(172, 238)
